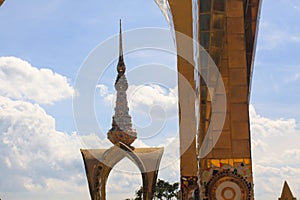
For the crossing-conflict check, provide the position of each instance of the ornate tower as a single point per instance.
(121, 130)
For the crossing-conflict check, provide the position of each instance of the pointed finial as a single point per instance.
(120, 42)
(286, 193)
(121, 65)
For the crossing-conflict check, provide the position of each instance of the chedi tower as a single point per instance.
(121, 130)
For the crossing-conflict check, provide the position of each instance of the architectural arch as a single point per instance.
(99, 163)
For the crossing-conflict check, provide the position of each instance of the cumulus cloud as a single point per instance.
(276, 155)
(151, 95)
(267, 127)
(34, 156)
(143, 98)
(20, 80)
(37, 159)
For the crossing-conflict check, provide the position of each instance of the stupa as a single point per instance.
(121, 130)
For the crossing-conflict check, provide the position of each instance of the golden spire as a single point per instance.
(286, 193)
(121, 65)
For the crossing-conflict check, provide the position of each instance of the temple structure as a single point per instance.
(99, 162)
(121, 130)
(215, 140)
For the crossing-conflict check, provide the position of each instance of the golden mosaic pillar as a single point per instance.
(227, 31)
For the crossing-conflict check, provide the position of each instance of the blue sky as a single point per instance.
(39, 140)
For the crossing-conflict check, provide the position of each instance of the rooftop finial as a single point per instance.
(286, 193)
(121, 45)
(121, 65)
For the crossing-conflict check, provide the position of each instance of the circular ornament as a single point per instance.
(228, 186)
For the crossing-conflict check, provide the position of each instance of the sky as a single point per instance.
(45, 48)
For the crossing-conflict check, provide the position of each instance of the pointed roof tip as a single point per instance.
(120, 41)
(286, 193)
(121, 65)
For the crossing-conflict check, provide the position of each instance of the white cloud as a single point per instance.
(273, 36)
(144, 98)
(103, 90)
(20, 80)
(35, 158)
(151, 95)
(293, 78)
(276, 155)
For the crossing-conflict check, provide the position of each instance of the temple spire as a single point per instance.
(121, 130)
(121, 65)
(120, 42)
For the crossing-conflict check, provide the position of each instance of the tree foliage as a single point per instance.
(163, 191)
